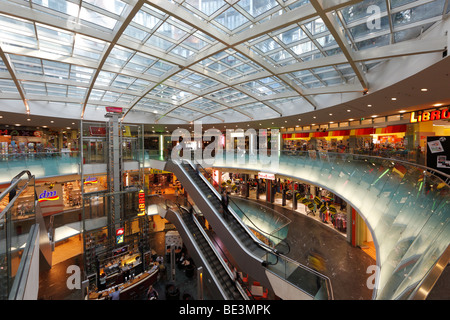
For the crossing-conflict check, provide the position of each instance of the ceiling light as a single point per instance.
(285, 121)
(402, 111)
(369, 105)
(69, 128)
(44, 127)
(374, 116)
(437, 104)
(348, 110)
(17, 125)
(52, 121)
(28, 119)
(331, 122)
(73, 122)
(393, 99)
(1, 117)
(314, 117)
(424, 89)
(331, 114)
(297, 126)
(299, 119)
(351, 119)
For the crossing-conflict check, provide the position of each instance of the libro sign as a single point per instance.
(422, 116)
(141, 207)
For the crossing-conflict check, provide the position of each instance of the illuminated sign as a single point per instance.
(422, 116)
(114, 109)
(269, 176)
(48, 196)
(119, 235)
(90, 180)
(141, 207)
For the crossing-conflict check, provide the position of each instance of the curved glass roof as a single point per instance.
(210, 60)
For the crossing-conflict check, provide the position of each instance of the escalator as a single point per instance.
(204, 253)
(287, 278)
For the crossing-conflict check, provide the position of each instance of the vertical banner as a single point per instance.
(438, 153)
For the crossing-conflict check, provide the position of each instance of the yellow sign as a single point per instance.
(422, 116)
(141, 203)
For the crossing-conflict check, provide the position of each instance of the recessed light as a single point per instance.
(351, 119)
(374, 116)
(369, 105)
(424, 89)
(17, 125)
(68, 128)
(348, 110)
(28, 119)
(331, 114)
(52, 121)
(1, 117)
(297, 126)
(314, 117)
(393, 99)
(73, 122)
(437, 104)
(44, 127)
(402, 111)
(285, 121)
(331, 122)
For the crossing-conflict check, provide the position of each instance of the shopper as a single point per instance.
(152, 294)
(115, 295)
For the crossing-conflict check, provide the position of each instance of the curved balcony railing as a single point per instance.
(405, 206)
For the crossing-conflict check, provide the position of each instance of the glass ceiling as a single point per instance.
(209, 60)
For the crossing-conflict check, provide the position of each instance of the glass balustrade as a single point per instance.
(406, 207)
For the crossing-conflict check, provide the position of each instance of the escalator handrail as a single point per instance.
(208, 240)
(243, 213)
(280, 255)
(254, 238)
(14, 182)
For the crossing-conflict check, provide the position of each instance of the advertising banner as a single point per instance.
(438, 153)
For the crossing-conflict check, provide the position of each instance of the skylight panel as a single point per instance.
(257, 7)
(208, 7)
(231, 19)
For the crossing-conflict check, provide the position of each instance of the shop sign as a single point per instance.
(97, 131)
(90, 180)
(21, 133)
(141, 207)
(422, 116)
(263, 175)
(48, 196)
(119, 235)
(114, 109)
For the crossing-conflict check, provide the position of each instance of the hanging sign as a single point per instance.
(422, 116)
(141, 207)
(114, 109)
(119, 235)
